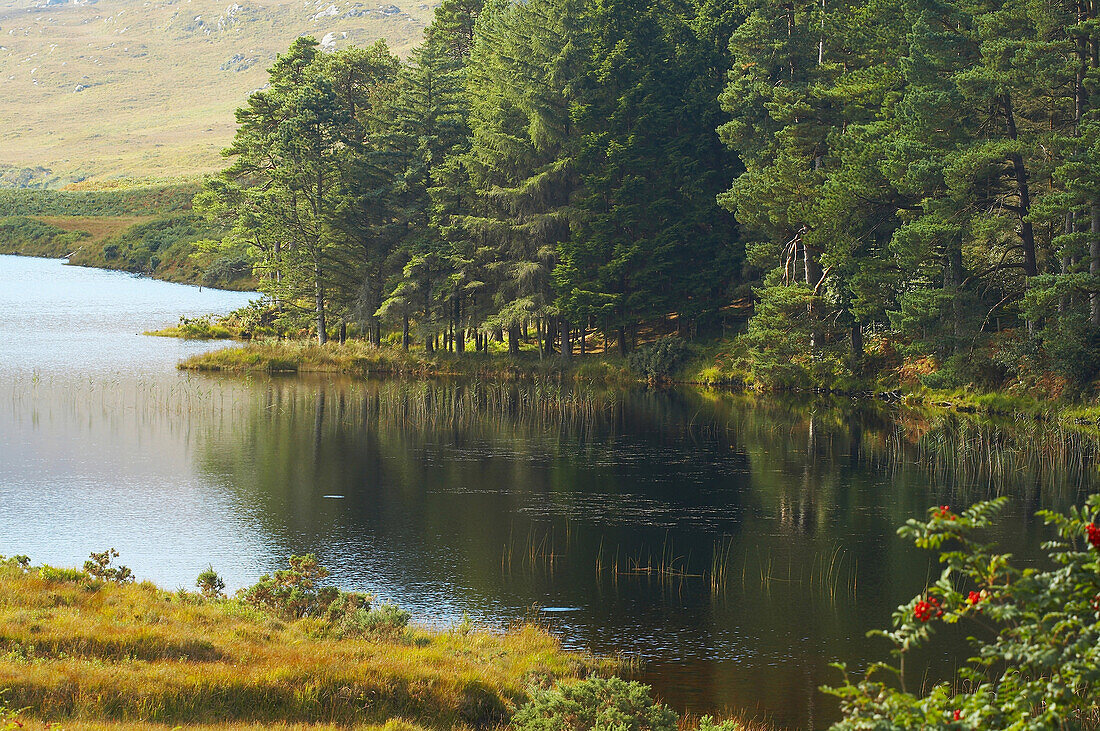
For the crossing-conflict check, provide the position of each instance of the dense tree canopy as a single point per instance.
(860, 187)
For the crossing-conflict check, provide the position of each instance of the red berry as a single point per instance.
(1093, 531)
(944, 512)
(973, 597)
(925, 609)
(958, 715)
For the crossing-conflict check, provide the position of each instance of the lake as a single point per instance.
(736, 545)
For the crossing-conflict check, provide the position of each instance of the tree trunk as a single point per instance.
(812, 270)
(343, 332)
(1019, 170)
(513, 340)
(1094, 261)
(857, 347)
(405, 332)
(322, 335)
(549, 334)
(952, 278)
(622, 341)
(459, 332)
(566, 340)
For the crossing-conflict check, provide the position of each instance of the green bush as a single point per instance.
(657, 361)
(210, 584)
(99, 567)
(201, 328)
(257, 318)
(226, 269)
(18, 561)
(968, 368)
(294, 592)
(777, 345)
(169, 240)
(52, 573)
(596, 704)
(362, 620)
(1037, 664)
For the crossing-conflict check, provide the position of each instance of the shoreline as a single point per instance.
(103, 649)
(357, 359)
(80, 257)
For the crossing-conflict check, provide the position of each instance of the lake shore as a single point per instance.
(91, 652)
(358, 359)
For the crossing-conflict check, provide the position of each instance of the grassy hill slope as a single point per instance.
(144, 230)
(104, 89)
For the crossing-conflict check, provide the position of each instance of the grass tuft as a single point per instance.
(96, 654)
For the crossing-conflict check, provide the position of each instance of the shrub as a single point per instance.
(210, 584)
(296, 592)
(99, 567)
(596, 704)
(365, 620)
(657, 361)
(226, 269)
(293, 593)
(201, 328)
(257, 318)
(1036, 666)
(51, 573)
(19, 561)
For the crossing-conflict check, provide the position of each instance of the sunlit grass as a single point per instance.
(393, 725)
(98, 228)
(87, 653)
(357, 357)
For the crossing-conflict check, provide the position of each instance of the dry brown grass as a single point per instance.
(99, 228)
(82, 654)
(158, 80)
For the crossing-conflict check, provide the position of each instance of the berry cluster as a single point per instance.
(945, 513)
(1093, 532)
(927, 609)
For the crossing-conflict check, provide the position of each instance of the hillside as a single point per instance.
(105, 89)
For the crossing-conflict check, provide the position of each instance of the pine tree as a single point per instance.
(523, 85)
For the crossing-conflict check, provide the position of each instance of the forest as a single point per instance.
(849, 188)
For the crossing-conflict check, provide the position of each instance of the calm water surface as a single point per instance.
(736, 547)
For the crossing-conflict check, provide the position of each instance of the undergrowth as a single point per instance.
(96, 650)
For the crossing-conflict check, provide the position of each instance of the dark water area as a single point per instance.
(735, 546)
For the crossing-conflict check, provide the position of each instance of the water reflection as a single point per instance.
(737, 545)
